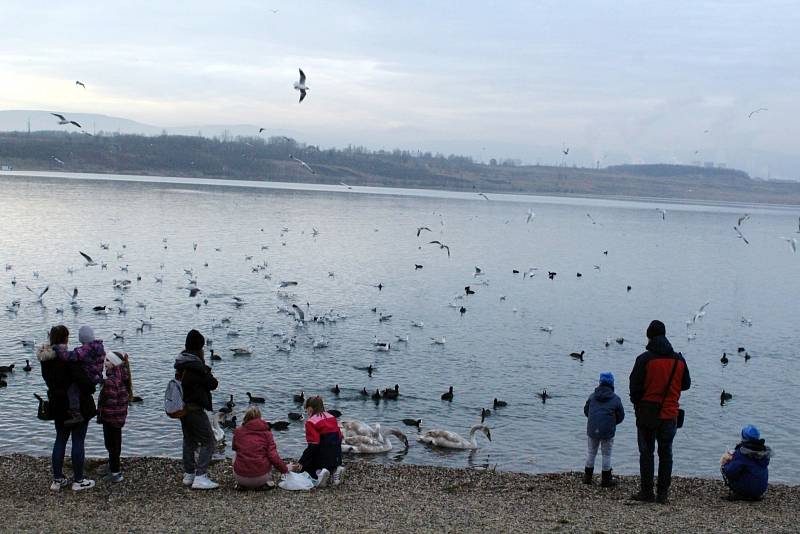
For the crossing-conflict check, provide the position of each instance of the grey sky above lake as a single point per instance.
(622, 81)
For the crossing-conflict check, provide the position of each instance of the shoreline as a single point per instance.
(429, 192)
(378, 498)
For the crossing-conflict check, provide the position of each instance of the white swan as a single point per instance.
(241, 351)
(354, 427)
(374, 445)
(451, 440)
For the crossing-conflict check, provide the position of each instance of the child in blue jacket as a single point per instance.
(745, 470)
(604, 410)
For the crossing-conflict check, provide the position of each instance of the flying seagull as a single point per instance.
(421, 228)
(531, 215)
(483, 195)
(700, 313)
(663, 213)
(77, 82)
(63, 120)
(40, 295)
(756, 111)
(792, 243)
(301, 85)
(565, 151)
(742, 219)
(441, 246)
(591, 218)
(261, 130)
(303, 164)
(742, 237)
(89, 261)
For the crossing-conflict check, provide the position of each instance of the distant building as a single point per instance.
(708, 164)
(6, 167)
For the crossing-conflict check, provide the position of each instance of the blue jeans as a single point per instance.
(664, 435)
(78, 434)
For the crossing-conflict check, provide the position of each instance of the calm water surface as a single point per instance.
(366, 237)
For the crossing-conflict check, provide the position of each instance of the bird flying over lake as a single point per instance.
(78, 82)
(700, 313)
(261, 130)
(63, 120)
(663, 213)
(441, 246)
(483, 195)
(792, 243)
(345, 185)
(303, 164)
(565, 150)
(530, 216)
(591, 218)
(742, 219)
(756, 111)
(89, 261)
(421, 228)
(301, 85)
(40, 295)
(741, 236)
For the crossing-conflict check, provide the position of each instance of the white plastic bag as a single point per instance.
(296, 481)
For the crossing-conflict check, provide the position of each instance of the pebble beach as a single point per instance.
(376, 498)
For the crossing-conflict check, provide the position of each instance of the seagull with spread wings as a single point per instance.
(749, 115)
(78, 82)
(40, 295)
(792, 243)
(301, 85)
(303, 164)
(441, 246)
(421, 228)
(740, 235)
(89, 261)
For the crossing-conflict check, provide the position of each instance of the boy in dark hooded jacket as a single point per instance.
(604, 410)
(197, 383)
(745, 471)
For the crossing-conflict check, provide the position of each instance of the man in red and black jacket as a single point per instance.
(648, 383)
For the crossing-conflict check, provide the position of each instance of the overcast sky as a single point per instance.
(617, 81)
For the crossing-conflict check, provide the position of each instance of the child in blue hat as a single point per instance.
(604, 410)
(746, 469)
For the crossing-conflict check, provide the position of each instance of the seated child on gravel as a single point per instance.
(92, 356)
(745, 469)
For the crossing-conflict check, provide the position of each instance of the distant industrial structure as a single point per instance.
(6, 167)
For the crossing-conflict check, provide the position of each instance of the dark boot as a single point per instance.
(607, 480)
(663, 497)
(587, 475)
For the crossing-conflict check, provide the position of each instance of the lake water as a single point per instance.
(368, 236)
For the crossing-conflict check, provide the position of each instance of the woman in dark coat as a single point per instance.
(59, 375)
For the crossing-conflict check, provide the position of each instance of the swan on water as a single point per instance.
(451, 440)
(374, 445)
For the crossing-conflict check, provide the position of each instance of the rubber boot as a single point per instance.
(607, 480)
(587, 475)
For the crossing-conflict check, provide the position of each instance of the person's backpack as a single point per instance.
(173, 399)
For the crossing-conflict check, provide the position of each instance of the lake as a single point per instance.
(368, 236)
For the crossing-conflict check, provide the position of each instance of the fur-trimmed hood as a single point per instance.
(45, 352)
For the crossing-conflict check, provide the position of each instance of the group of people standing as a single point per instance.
(658, 377)
(72, 377)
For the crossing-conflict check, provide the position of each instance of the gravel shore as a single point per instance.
(376, 498)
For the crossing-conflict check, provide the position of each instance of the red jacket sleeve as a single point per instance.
(273, 456)
(312, 434)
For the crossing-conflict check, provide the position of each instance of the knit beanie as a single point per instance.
(194, 340)
(607, 378)
(656, 329)
(86, 334)
(750, 433)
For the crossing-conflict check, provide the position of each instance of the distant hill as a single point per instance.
(256, 158)
(17, 121)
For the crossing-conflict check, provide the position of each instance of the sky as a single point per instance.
(617, 82)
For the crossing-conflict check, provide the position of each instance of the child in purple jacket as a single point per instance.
(112, 410)
(91, 354)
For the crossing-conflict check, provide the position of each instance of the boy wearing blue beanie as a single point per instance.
(604, 410)
(745, 470)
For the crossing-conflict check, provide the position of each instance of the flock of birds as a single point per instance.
(360, 437)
